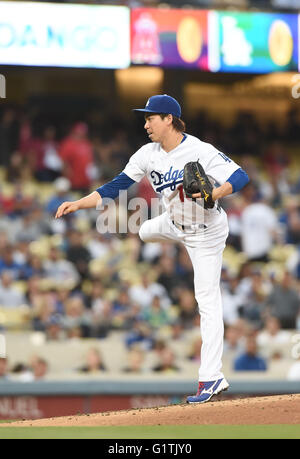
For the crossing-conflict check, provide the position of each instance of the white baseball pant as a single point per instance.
(205, 248)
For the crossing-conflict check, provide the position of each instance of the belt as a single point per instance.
(189, 227)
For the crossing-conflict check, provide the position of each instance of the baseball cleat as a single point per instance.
(206, 390)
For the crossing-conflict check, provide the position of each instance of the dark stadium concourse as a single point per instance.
(99, 93)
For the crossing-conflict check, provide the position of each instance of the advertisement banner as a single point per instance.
(64, 35)
(253, 42)
(169, 38)
(52, 405)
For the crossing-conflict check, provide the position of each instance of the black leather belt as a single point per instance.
(189, 227)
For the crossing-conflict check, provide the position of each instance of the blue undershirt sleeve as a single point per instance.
(238, 180)
(111, 189)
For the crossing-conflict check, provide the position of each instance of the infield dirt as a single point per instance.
(278, 409)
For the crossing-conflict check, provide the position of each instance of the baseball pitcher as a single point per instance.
(191, 176)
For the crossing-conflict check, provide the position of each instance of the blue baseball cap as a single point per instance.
(161, 104)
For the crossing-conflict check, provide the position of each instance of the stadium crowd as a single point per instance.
(79, 283)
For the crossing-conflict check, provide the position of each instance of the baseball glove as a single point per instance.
(195, 180)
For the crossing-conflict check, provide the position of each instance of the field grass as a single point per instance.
(283, 431)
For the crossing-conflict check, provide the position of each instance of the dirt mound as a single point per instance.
(279, 409)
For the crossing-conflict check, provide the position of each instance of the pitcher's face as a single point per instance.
(156, 127)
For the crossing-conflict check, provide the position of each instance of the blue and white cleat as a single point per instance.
(206, 390)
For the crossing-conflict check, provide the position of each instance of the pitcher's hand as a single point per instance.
(66, 208)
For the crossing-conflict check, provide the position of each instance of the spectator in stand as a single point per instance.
(76, 151)
(103, 151)
(34, 290)
(7, 262)
(101, 309)
(63, 291)
(275, 158)
(258, 228)
(166, 362)
(144, 292)
(275, 189)
(40, 151)
(4, 241)
(77, 321)
(184, 269)
(245, 280)
(293, 263)
(272, 340)
(232, 299)
(175, 330)
(21, 372)
(121, 148)
(34, 266)
(15, 168)
(43, 308)
(167, 276)
(135, 359)
(283, 302)
(234, 210)
(78, 254)
(156, 316)
(6, 228)
(96, 296)
(10, 296)
(50, 163)
(18, 204)
(33, 225)
(93, 362)
(253, 305)
(60, 270)
(250, 360)
(194, 353)
(22, 252)
(140, 333)
(102, 320)
(98, 245)
(3, 369)
(54, 329)
(234, 336)
(39, 368)
(249, 164)
(124, 311)
(62, 187)
(187, 308)
(152, 251)
(290, 219)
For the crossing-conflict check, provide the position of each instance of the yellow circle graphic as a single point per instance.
(189, 39)
(280, 43)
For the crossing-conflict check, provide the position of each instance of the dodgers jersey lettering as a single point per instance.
(165, 173)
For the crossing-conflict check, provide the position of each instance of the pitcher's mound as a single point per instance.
(278, 409)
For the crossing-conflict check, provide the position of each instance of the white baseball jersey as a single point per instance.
(258, 225)
(165, 173)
